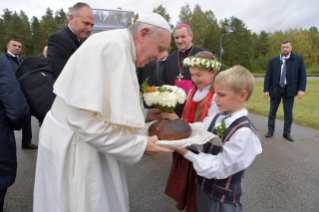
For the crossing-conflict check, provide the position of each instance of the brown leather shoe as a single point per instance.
(288, 137)
(269, 134)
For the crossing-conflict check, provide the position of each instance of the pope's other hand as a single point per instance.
(153, 149)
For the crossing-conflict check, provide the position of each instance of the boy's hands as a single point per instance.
(182, 151)
(170, 116)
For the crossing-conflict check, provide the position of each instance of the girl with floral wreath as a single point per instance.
(200, 109)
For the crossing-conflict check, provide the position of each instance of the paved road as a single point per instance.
(283, 178)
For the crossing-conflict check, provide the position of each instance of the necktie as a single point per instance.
(283, 74)
(17, 58)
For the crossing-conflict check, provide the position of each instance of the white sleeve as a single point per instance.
(238, 153)
(114, 140)
(211, 113)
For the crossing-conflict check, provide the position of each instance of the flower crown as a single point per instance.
(201, 63)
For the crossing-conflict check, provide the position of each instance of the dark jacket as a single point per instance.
(13, 61)
(296, 75)
(13, 113)
(61, 45)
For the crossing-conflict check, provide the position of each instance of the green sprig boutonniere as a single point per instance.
(221, 129)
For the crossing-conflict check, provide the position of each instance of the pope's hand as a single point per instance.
(152, 148)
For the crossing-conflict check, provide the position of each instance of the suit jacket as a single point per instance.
(61, 45)
(14, 111)
(13, 61)
(295, 75)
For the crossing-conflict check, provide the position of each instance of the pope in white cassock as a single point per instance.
(92, 128)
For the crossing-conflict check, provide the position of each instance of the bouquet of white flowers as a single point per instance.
(165, 97)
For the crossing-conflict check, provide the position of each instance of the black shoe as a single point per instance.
(269, 134)
(288, 137)
(29, 146)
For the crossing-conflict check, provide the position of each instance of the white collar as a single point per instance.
(12, 54)
(204, 89)
(74, 33)
(187, 48)
(236, 115)
(287, 57)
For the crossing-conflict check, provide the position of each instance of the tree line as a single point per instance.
(241, 46)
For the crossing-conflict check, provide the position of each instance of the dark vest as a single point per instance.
(224, 190)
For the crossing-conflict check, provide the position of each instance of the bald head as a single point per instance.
(45, 51)
(81, 20)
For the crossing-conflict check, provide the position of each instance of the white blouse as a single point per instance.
(199, 95)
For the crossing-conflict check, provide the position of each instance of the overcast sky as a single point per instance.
(268, 15)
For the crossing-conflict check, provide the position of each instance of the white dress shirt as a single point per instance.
(284, 60)
(238, 153)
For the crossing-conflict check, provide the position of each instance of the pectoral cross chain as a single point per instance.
(180, 76)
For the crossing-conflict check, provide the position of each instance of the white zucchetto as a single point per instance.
(155, 20)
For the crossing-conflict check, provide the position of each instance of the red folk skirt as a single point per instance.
(181, 184)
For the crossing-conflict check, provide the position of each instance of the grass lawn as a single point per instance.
(305, 110)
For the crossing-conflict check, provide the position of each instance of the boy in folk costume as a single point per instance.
(221, 169)
(200, 109)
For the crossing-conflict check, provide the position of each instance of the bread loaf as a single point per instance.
(170, 129)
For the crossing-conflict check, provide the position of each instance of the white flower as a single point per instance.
(203, 62)
(151, 98)
(186, 61)
(167, 99)
(217, 125)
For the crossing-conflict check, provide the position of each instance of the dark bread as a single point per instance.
(170, 129)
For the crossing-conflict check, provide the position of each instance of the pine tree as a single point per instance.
(26, 34)
(212, 34)
(198, 25)
(185, 15)
(36, 36)
(262, 44)
(48, 25)
(4, 27)
(2, 36)
(61, 19)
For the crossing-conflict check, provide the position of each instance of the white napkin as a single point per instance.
(195, 141)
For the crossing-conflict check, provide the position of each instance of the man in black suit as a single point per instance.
(62, 44)
(285, 78)
(12, 55)
(14, 110)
